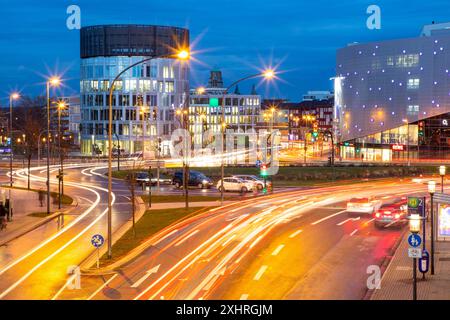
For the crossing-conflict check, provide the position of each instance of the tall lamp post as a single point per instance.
(52, 82)
(267, 74)
(442, 170)
(184, 115)
(61, 107)
(180, 55)
(12, 97)
(432, 191)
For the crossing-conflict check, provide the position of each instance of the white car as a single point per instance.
(363, 205)
(258, 183)
(235, 184)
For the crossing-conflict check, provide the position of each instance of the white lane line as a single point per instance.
(244, 297)
(348, 220)
(260, 273)
(278, 250)
(328, 217)
(167, 236)
(86, 199)
(368, 222)
(102, 286)
(296, 233)
(71, 278)
(353, 233)
(186, 238)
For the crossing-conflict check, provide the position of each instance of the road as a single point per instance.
(35, 265)
(291, 245)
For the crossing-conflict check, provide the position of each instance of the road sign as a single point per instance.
(416, 205)
(97, 240)
(415, 253)
(414, 240)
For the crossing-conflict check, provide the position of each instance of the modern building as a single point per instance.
(318, 95)
(205, 109)
(392, 98)
(145, 98)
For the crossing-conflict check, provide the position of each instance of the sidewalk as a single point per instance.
(24, 203)
(396, 283)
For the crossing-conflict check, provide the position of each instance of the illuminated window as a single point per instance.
(413, 83)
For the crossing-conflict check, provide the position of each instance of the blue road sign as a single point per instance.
(414, 240)
(97, 240)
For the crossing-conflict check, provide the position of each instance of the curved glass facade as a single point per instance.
(144, 102)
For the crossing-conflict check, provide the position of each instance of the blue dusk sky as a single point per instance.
(235, 36)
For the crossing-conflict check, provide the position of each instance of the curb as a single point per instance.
(38, 224)
(87, 264)
(386, 263)
(134, 253)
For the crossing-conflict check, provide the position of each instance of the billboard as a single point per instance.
(443, 222)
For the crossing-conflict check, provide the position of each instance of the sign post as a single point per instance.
(98, 241)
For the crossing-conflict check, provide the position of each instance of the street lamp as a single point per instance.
(182, 55)
(14, 96)
(432, 191)
(442, 170)
(61, 107)
(267, 74)
(51, 82)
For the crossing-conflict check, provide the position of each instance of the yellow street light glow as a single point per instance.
(61, 105)
(183, 55)
(269, 74)
(201, 90)
(55, 81)
(15, 96)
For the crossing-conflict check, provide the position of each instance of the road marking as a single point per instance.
(165, 237)
(278, 250)
(256, 241)
(368, 222)
(353, 233)
(186, 238)
(147, 274)
(296, 233)
(86, 199)
(102, 286)
(328, 217)
(244, 297)
(351, 219)
(260, 273)
(71, 278)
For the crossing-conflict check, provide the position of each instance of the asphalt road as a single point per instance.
(292, 245)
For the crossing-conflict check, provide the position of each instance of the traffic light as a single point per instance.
(263, 168)
(315, 129)
(421, 129)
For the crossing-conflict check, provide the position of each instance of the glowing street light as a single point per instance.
(442, 171)
(269, 74)
(51, 82)
(201, 90)
(181, 55)
(14, 96)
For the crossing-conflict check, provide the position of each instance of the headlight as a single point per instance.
(205, 181)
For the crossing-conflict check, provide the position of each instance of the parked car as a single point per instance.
(366, 206)
(142, 178)
(163, 179)
(235, 184)
(392, 213)
(257, 182)
(196, 179)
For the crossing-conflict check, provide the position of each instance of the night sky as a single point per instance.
(236, 36)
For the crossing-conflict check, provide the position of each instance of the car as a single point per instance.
(235, 184)
(254, 179)
(196, 179)
(366, 206)
(163, 179)
(392, 214)
(142, 178)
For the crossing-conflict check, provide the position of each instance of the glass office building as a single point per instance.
(144, 98)
(392, 98)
